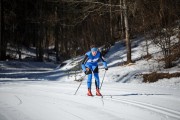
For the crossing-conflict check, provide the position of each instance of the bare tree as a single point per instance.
(162, 38)
(121, 20)
(110, 23)
(0, 26)
(3, 43)
(75, 24)
(128, 42)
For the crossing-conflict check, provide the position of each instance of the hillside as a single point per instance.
(44, 90)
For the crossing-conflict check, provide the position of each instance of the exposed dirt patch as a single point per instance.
(154, 76)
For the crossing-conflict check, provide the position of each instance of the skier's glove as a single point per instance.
(106, 68)
(86, 72)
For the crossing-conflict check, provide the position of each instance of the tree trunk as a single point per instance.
(0, 26)
(39, 47)
(121, 21)
(47, 37)
(128, 43)
(168, 63)
(3, 45)
(104, 31)
(147, 46)
(57, 42)
(110, 23)
(57, 31)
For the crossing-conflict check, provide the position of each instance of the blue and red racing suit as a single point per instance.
(91, 62)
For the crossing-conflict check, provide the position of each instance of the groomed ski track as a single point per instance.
(56, 100)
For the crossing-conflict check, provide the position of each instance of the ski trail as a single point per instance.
(162, 110)
(20, 101)
(56, 101)
(159, 109)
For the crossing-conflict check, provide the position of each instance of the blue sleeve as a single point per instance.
(83, 67)
(103, 61)
(105, 64)
(84, 62)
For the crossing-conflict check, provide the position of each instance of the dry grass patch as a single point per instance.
(154, 76)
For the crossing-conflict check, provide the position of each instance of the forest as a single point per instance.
(67, 28)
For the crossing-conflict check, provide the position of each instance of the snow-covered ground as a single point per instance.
(56, 100)
(45, 91)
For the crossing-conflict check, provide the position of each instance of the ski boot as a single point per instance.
(98, 92)
(89, 92)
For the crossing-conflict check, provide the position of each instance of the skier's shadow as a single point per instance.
(135, 94)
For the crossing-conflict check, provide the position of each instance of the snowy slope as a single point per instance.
(44, 91)
(56, 100)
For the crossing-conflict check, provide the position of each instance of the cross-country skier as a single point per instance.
(90, 65)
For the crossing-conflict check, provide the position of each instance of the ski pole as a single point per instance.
(103, 79)
(79, 85)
